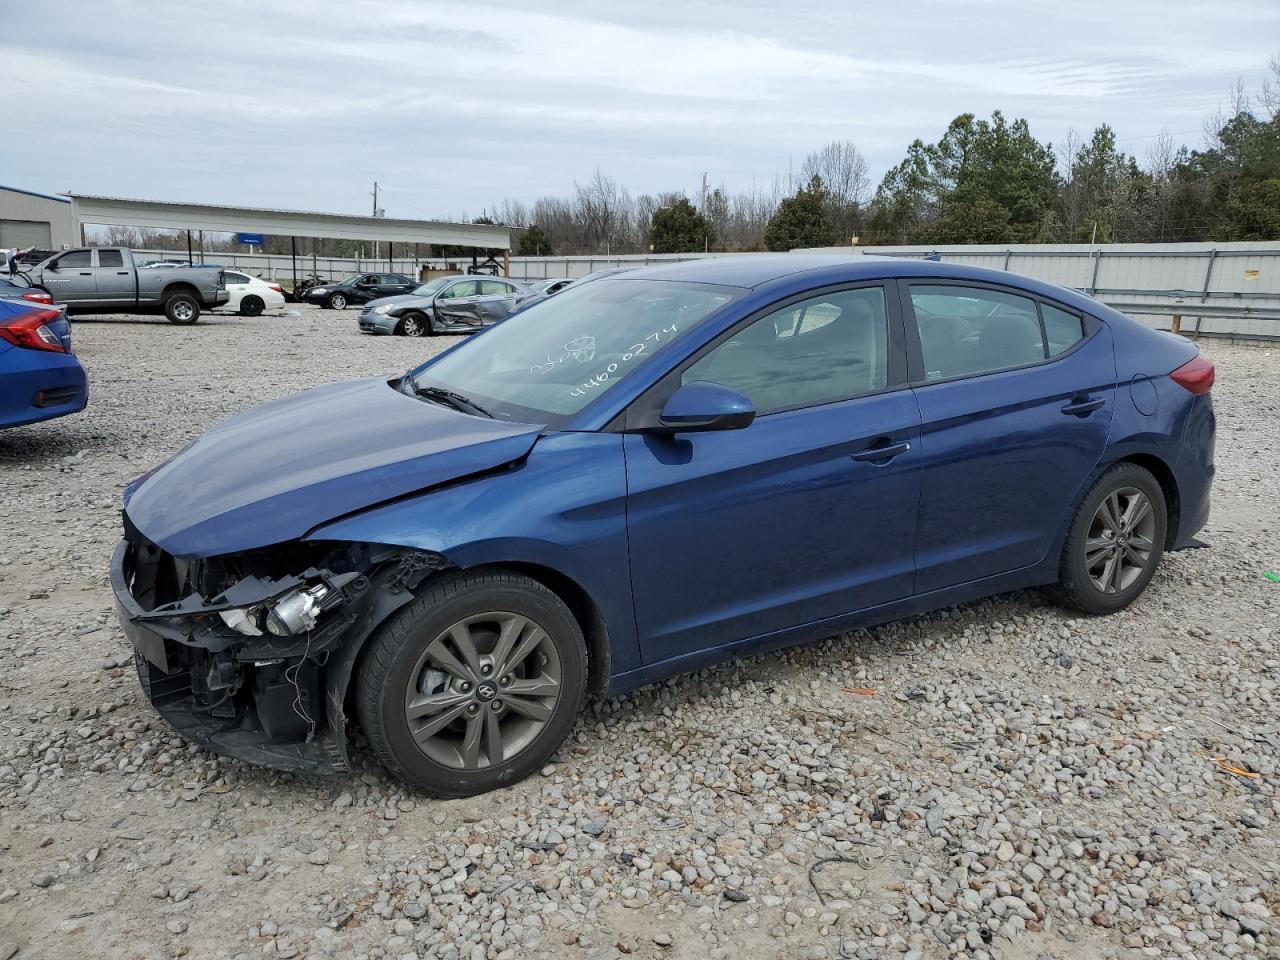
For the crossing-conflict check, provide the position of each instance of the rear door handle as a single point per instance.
(881, 454)
(86, 273)
(1079, 407)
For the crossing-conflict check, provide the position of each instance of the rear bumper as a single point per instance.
(1194, 470)
(39, 385)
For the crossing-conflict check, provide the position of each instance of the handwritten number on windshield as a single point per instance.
(635, 350)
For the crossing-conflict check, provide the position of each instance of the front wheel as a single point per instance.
(1115, 542)
(474, 685)
(337, 301)
(414, 324)
(182, 309)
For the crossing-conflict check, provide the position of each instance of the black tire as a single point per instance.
(414, 324)
(336, 301)
(252, 306)
(388, 667)
(1078, 586)
(182, 309)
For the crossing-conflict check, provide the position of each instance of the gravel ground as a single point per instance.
(1003, 781)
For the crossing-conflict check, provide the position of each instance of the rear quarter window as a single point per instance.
(1062, 330)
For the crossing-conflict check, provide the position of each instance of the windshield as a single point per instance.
(431, 287)
(547, 363)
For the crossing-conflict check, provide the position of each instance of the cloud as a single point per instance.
(452, 106)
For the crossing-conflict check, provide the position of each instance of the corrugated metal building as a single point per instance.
(29, 219)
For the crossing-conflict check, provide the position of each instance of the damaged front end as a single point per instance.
(249, 654)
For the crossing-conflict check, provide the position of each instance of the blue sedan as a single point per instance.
(648, 474)
(40, 378)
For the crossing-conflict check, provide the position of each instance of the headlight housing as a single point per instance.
(294, 612)
(385, 308)
(318, 290)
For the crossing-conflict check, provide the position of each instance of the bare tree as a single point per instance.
(843, 170)
(1073, 194)
(1269, 96)
(602, 207)
(512, 213)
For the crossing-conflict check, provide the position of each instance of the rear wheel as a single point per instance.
(474, 685)
(337, 301)
(182, 309)
(1115, 542)
(414, 324)
(251, 306)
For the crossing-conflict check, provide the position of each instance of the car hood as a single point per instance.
(399, 300)
(277, 470)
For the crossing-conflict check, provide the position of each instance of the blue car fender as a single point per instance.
(561, 511)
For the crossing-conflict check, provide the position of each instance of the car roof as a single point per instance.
(804, 270)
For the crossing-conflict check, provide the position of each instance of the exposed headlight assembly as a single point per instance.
(385, 308)
(294, 612)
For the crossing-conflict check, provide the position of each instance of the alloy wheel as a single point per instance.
(1121, 540)
(338, 301)
(412, 327)
(483, 690)
(183, 311)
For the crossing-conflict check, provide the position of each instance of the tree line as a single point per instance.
(982, 181)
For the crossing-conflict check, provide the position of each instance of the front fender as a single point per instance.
(563, 508)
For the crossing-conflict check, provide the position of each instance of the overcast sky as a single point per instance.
(453, 106)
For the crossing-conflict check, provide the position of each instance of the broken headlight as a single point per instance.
(294, 612)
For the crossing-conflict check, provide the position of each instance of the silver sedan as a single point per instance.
(454, 304)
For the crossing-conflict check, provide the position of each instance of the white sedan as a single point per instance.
(250, 296)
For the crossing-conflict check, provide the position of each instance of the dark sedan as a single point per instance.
(454, 304)
(359, 288)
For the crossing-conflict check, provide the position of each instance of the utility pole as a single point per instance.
(375, 213)
(702, 205)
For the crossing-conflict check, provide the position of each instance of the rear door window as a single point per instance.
(966, 331)
(110, 258)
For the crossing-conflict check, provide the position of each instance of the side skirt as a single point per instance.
(1037, 575)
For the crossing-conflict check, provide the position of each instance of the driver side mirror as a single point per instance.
(703, 406)
(53, 265)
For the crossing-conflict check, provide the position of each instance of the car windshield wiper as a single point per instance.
(448, 398)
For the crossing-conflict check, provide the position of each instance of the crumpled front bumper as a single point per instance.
(278, 719)
(285, 709)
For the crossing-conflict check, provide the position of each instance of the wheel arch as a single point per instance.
(1168, 486)
(180, 286)
(1154, 464)
(584, 608)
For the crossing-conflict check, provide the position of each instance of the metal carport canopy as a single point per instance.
(124, 212)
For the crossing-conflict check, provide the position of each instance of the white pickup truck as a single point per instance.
(106, 280)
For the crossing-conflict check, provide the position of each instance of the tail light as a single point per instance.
(1195, 376)
(30, 331)
(276, 287)
(37, 296)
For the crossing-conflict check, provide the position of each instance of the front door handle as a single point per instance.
(881, 454)
(1083, 406)
(86, 273)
